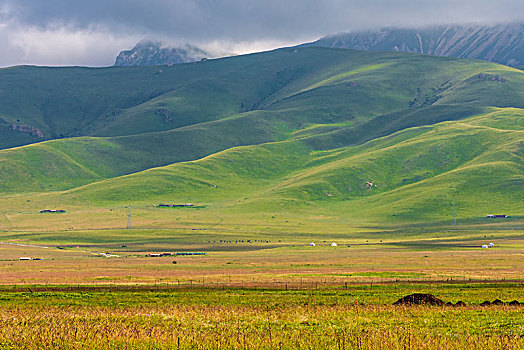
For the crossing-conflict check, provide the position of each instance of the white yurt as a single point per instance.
(333, 244)
(491, 245)
(312, 244)
(484, 246)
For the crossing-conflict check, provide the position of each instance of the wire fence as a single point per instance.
(244, 285)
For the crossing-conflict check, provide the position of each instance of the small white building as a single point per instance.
(334, 244)
(491, 245)
(312, 244)
(484, 246)
(25, 258)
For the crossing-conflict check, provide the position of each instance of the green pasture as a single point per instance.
(151, 296)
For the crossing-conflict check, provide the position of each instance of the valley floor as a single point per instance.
(93, 284)
(256, 257)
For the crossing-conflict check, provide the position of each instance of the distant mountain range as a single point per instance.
(503, 43)
(151, 53)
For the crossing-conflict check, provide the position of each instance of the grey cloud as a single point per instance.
(241, 25)
(244, 19)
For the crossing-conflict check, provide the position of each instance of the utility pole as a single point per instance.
(129, 218)
(454, 216)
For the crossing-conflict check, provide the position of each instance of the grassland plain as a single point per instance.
(355, 317)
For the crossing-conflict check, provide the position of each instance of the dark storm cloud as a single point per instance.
(35, 29)
(244, 19)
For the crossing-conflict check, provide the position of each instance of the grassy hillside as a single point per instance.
(101, 101)
(143, 117)
(305, 85)
(412, 175)
(68, 163)
(369, 137)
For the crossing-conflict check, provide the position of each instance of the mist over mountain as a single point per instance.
(502, 43)
(151, 53)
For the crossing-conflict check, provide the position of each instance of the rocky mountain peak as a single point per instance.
(150, 53)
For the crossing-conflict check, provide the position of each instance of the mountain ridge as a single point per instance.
(501, 43)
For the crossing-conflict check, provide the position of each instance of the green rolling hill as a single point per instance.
(413, 174)
(385, 136)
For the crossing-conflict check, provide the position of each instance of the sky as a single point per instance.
(93, 32)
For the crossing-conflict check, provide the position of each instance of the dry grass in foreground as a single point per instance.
(247, 320)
